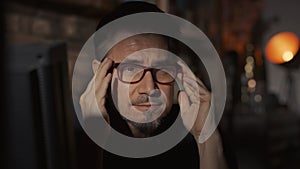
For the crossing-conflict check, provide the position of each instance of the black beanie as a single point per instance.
(122, 10)
(128, 8)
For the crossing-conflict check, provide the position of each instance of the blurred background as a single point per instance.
(258, 43)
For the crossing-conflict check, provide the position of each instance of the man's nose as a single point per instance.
(147, 84)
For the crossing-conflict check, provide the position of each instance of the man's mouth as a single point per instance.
(147, 106)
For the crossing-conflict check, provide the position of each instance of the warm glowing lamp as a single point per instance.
(282, 47)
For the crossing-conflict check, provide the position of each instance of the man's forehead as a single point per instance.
(136, 43)
(150, 57)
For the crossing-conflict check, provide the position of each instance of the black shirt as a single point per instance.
(183, 155)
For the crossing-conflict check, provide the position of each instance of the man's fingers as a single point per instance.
(102, 78)
(93, 99)
(102, 71)
(101, 91)
(185, 68)
(88, 103)
(189, 76)
(89, 90)
(196, 83)
(196, 92)
(194, 86)
(192, 91)
(183, 100)
(192, 95)
(188, 111)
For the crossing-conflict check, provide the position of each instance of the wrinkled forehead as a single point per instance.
(151, 57)
(133, 48)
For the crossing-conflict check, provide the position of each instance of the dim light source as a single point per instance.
(282, 47)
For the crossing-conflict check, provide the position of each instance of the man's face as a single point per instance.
(146, 101)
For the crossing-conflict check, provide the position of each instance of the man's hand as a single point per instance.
(194, 102)
(92, 101)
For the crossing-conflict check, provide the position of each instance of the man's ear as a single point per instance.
(95, 65)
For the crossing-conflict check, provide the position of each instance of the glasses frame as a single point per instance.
(145, 69)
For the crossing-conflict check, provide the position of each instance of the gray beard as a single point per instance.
(145, 128)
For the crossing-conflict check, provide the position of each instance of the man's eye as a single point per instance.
(130, 69)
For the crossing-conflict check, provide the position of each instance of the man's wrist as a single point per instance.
(211, 152)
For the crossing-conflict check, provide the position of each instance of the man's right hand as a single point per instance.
(92, 101)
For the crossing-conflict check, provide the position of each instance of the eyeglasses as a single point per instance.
(133, 73)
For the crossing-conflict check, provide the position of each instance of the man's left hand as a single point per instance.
(194, 102)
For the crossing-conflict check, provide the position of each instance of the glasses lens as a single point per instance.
(130, 73)
(165, 75)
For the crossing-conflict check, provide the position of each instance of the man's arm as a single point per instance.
(211, 152)
(195, 103)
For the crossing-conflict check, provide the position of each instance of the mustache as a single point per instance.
(146, 99)
(154, 97)
(140, 99)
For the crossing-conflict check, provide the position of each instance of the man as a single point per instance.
(142, 106)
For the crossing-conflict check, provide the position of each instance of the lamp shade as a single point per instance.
(282, 47)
